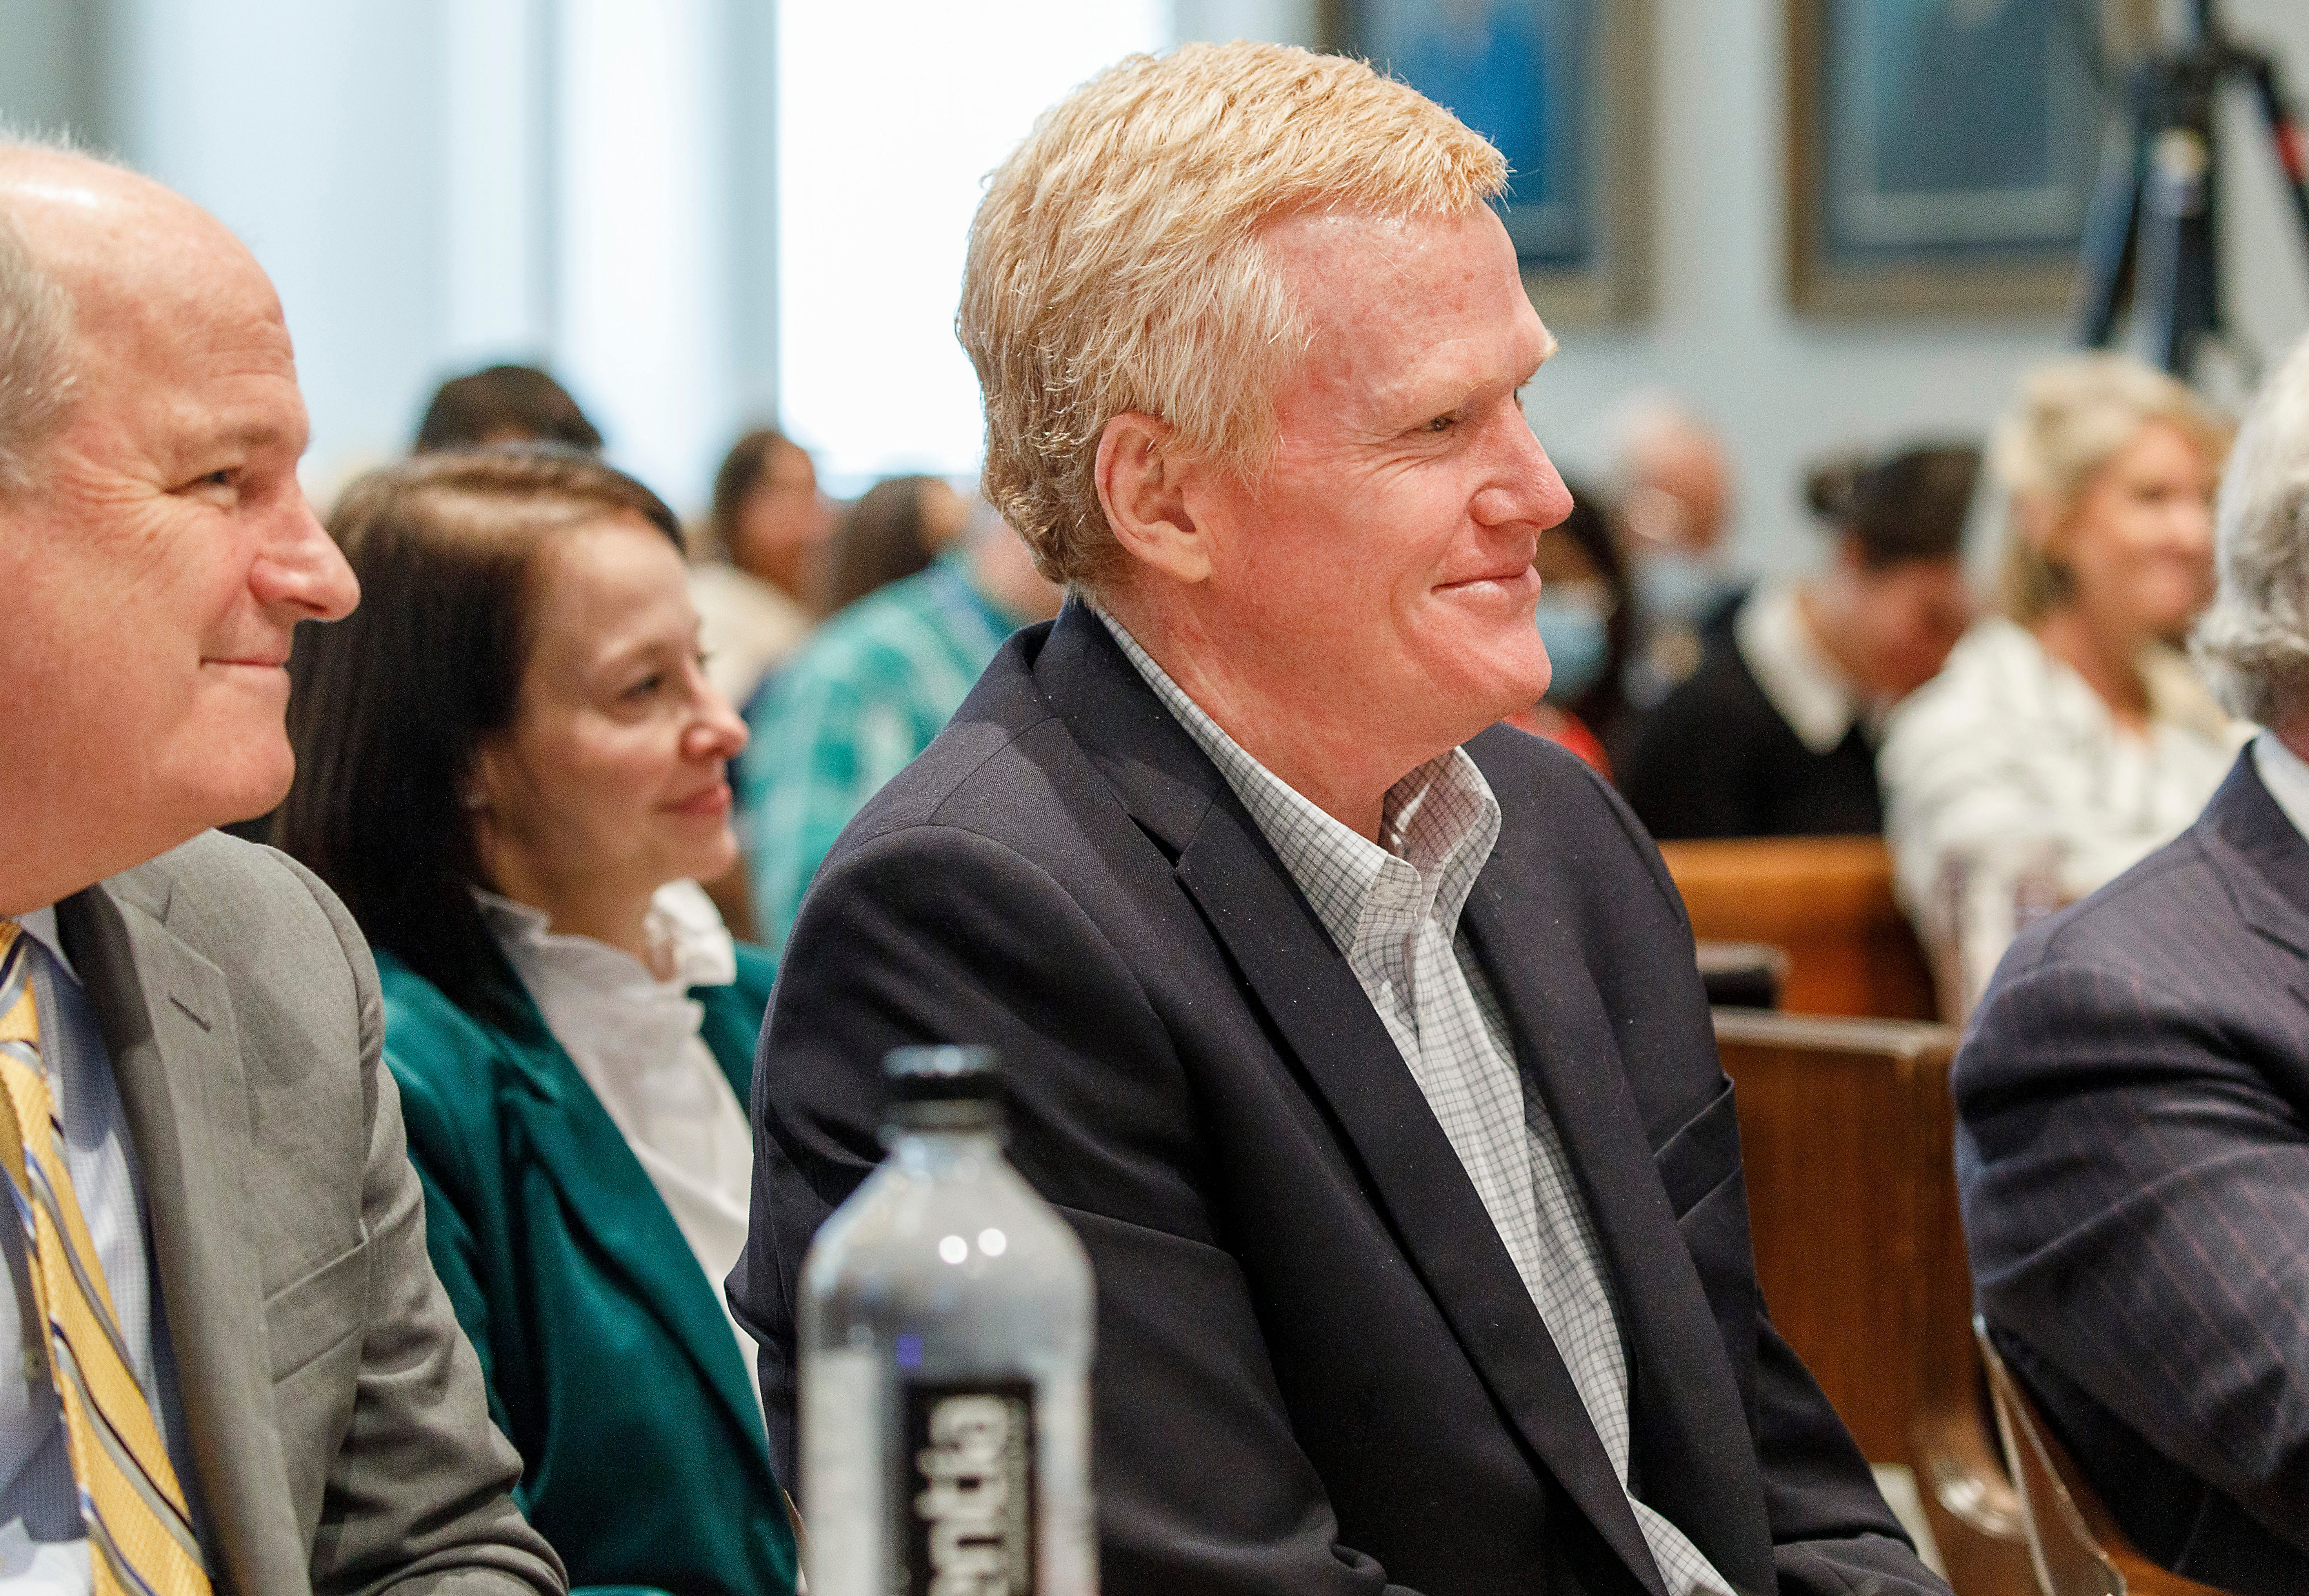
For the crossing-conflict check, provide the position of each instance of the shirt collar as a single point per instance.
(2286, 777)
(681, 919)
(1802, 682)
(1439, 823)
(40, 925)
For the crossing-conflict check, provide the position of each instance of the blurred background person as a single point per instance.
(2134, 1098)
(1673, 476)
(867, 693)
(504, 404)
(896, 528)
(765, 534)
(1586, 618)
(1775, 734)
(512, 768)
(2067, 736)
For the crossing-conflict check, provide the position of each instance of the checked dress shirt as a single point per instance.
(1393, 911)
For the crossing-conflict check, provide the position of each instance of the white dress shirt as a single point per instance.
(1393, 913)
(43, 1541)
(1820, 703)
(636, 1040)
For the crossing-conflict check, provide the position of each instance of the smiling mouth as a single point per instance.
(713, 800)
(1495, 578)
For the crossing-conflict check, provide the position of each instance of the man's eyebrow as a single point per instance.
(245, 436)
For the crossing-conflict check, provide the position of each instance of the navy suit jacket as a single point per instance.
(1318, 1370)
(2134, 1158)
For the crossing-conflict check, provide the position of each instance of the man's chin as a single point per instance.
(239, 780)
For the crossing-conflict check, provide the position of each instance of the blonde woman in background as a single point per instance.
(2067, 737)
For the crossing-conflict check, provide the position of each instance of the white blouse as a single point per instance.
(636, 1040)
(2009, 787)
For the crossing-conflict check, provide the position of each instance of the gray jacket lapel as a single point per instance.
(167, 1016)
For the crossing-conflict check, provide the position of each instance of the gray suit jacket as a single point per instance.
(337, 1420)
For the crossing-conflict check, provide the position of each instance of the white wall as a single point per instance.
(890, 115)
(316, 133)
(1721, 333)
(394, 163)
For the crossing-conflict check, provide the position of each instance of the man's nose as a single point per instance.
(302, 567)
(1526, 487)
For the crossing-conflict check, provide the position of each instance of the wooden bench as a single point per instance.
(1845, 1130)
(1827, 901)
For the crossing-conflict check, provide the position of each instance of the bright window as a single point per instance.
(890, 115)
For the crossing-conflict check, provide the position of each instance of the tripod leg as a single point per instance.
(2104, 260)
(2285, 133)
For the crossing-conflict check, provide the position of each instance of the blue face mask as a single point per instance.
(1578, 640)
(1677, 586)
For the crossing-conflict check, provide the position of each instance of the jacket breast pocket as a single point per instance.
(317, 1313)
(1701, 1155)
(1699, 1165)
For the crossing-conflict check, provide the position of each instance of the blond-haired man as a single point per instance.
(1360, 1040)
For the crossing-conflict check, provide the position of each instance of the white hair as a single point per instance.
(36, 335)
(2253, 642)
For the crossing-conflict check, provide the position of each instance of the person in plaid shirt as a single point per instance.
(867, 693)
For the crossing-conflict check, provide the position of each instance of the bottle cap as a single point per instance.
(948, 1086)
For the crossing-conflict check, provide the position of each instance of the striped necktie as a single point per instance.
(140, 1541)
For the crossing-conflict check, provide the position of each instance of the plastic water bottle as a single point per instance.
(946, 1350)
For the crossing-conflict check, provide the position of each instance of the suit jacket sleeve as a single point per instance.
(932, 934)
(2143, 1224)
(418, 1494)
(1831, 1531)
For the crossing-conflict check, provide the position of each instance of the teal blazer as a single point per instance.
(609, 1359)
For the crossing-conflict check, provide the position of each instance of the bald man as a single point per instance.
(236, 1370)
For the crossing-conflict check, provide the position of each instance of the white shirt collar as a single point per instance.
(2286, 777)
(1812, 694)
(683, 921)
(40, 925)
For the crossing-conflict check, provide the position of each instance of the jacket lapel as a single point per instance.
(1691, 1442)
(1345, 1053)
(2265, 860)
(609, 1193)
(166, 1017)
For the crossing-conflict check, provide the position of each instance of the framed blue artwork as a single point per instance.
(1562, 88)
(1941, 152)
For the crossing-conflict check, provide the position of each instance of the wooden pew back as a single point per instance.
(1828, 901)
(1845, 1130)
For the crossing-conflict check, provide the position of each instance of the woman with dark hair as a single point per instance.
(897, 527)
(765, 535)
(512, 768)
(1775, 734)
(1586, 618)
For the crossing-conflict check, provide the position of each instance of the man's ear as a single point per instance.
(1141, 488)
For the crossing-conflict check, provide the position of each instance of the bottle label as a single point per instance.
(843, 1476)
(966, 1478)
